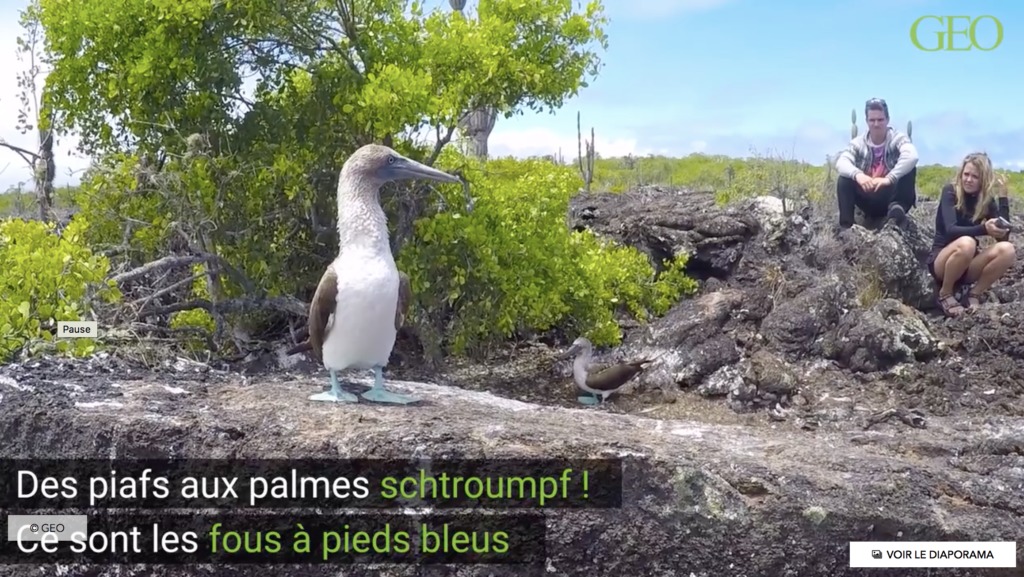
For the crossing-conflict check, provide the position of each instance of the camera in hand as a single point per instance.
(1002, 223)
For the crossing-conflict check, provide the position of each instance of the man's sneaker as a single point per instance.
(896, 214)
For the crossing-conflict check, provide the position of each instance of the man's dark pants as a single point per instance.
(876, 204)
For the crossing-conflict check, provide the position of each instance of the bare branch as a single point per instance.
(144, 301)
(286, 304)
(441, 142)
(232, 272)
(137, 326)
(161, 264)
(27, 155)
(348, 25)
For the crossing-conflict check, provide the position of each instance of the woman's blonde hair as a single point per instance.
(983, 165)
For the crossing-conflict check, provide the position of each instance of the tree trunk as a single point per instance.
(45, 172)
(477, 126)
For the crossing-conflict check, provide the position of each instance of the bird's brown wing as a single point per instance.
(404, 297)
(320, 310)
(615, 376)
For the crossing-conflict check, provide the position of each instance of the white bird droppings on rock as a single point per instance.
(99, 404)
(157, 418)
(687, 432)
(14, 384)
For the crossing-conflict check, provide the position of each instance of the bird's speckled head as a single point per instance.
(377, 164)
(581, 346)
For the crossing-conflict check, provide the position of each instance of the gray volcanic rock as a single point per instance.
(699, 499)
(854, 307)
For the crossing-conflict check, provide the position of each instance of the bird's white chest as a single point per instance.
(362, 333)
(579, 372)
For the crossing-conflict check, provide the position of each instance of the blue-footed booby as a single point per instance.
(600, 382)
(362, 298)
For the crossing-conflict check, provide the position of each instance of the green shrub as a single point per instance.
(45, 278)
(734, 179)
(196, 318)
(109, 200)
(513, 265)
(699, 171)
(793, 181)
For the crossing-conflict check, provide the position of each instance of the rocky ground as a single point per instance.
(812, 372)
(824, 327)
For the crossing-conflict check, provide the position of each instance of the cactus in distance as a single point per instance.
(853, 127)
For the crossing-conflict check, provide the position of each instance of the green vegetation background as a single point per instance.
(153, 90)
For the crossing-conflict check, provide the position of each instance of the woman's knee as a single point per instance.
(1005, 250)
(965, 245)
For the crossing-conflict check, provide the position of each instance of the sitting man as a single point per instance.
(969, 209)
(877, 171)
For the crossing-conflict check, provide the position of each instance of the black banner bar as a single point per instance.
(247, 538)
(179, 484)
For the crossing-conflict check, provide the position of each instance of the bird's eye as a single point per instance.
(391, 159)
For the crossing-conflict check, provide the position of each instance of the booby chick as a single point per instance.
(361, 300)
(600, 382)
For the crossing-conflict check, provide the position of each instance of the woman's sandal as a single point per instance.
(950, 306)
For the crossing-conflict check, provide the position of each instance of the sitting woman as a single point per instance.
(968, 209)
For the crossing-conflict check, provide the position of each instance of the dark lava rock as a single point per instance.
(697, 499)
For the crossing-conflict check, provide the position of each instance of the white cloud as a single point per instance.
(523, 142)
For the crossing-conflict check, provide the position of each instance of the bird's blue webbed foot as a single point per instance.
(379, 394)
(335, 395)
(588, 399)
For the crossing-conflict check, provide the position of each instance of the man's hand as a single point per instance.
(865, 182)
(879, 183)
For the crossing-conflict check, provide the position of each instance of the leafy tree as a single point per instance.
(375, 68)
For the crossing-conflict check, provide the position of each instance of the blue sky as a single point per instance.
(732, 76)
(728, 76)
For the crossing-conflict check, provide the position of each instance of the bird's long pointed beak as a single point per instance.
(407, 168)
(569, 353)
